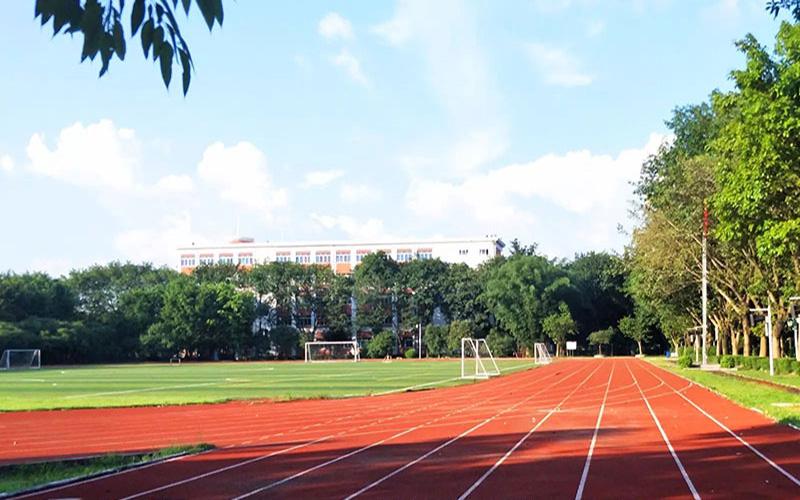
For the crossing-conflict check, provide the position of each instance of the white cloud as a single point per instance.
(352, 65)
(359, 193)
(157, 244)
(7, 164)
(240, 174)
(321, 177)
(446, 34)
(175, 184)
(725, 10)
(372, 229)
(99, 155)
(592, 188)
(335, 26)
(557, 66)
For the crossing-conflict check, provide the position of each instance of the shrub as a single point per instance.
(502, 345)
(381, 345)
(727, 362)
(685, 361)
(411, 353)
(785, 365)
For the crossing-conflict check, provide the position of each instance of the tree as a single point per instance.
(521, 292)
(435, 339)
(461, 290)
(559, 327)
(601, 337)
(377, 292)
(285, 339)
(37, 294)
(101, 24)
(501, 344)
(459, 329)
(422, 281)
(634, 328)
(381, 345)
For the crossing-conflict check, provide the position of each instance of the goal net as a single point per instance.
(333, 351)
(476, 359)
(21, 359)
(541, 356)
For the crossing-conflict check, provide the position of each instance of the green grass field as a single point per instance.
(154, 384)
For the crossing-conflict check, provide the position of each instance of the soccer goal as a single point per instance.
(21, 359)
(476, 359)
(541, 356)
(348, 350)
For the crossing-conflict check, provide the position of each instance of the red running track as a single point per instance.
(576, 429)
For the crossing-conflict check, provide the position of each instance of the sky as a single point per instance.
(353, 120)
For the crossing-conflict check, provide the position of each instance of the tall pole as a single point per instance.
(420, 340)
(705, 282)
(768, 333)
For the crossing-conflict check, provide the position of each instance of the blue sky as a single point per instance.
(343, 120)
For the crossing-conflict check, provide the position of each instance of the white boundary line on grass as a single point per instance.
(130, 391)
(585, 473)
(522, 440)
(677, 460)
(722, 426)
(412, 387)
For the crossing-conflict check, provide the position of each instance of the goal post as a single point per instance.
(21, 359)
(541, 356)
(347, 350)
(477, 360)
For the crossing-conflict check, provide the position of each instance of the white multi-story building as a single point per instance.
(341, 256)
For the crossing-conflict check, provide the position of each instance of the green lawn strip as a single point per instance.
(790, 379)
(153, 384)
(16, 477)
(781, 405)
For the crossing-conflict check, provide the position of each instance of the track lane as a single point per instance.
(718, 464)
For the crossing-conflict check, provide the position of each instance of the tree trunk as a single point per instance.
(640, 347)
(735, 335)
(600, 349)
(762, 348)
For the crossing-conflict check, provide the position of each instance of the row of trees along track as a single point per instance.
(120, 312)
(737, 154)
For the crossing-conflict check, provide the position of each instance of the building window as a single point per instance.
(323, 258)
(187, 261)
(360, 256)
(484, 251)
(283, 257)
(206, 260)
(245, 259)
(343, 257)
(424, 255)
(403, 255)
(225, 259)
(463, 252)
(302, 258)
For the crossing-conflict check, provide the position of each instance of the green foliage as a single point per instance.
(411, 353)
(458, 330)
(102, 25)
(381, 345)
(559, 326)
(685, 361)
(601, 337)
(35, 294)
(376, 290)
(635, 329)
(285, 340)
(727, 361)
(435, 339)
(501, 344)
(522, 291)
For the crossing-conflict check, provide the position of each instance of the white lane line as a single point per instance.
(672, 452)
(234, 466)
(365, 448)
(585, 474)
(451, 441)
(106, 476)
(74, 396)
(765, 458)
(522, 440)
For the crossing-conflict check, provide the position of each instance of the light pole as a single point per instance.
(705, 282)
(696, 342)
(796, 328)
(768, 333)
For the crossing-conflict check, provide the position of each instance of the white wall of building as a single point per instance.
(471, 251)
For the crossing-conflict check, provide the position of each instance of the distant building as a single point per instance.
(341, 256)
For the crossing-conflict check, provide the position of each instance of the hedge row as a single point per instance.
(782, 365)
